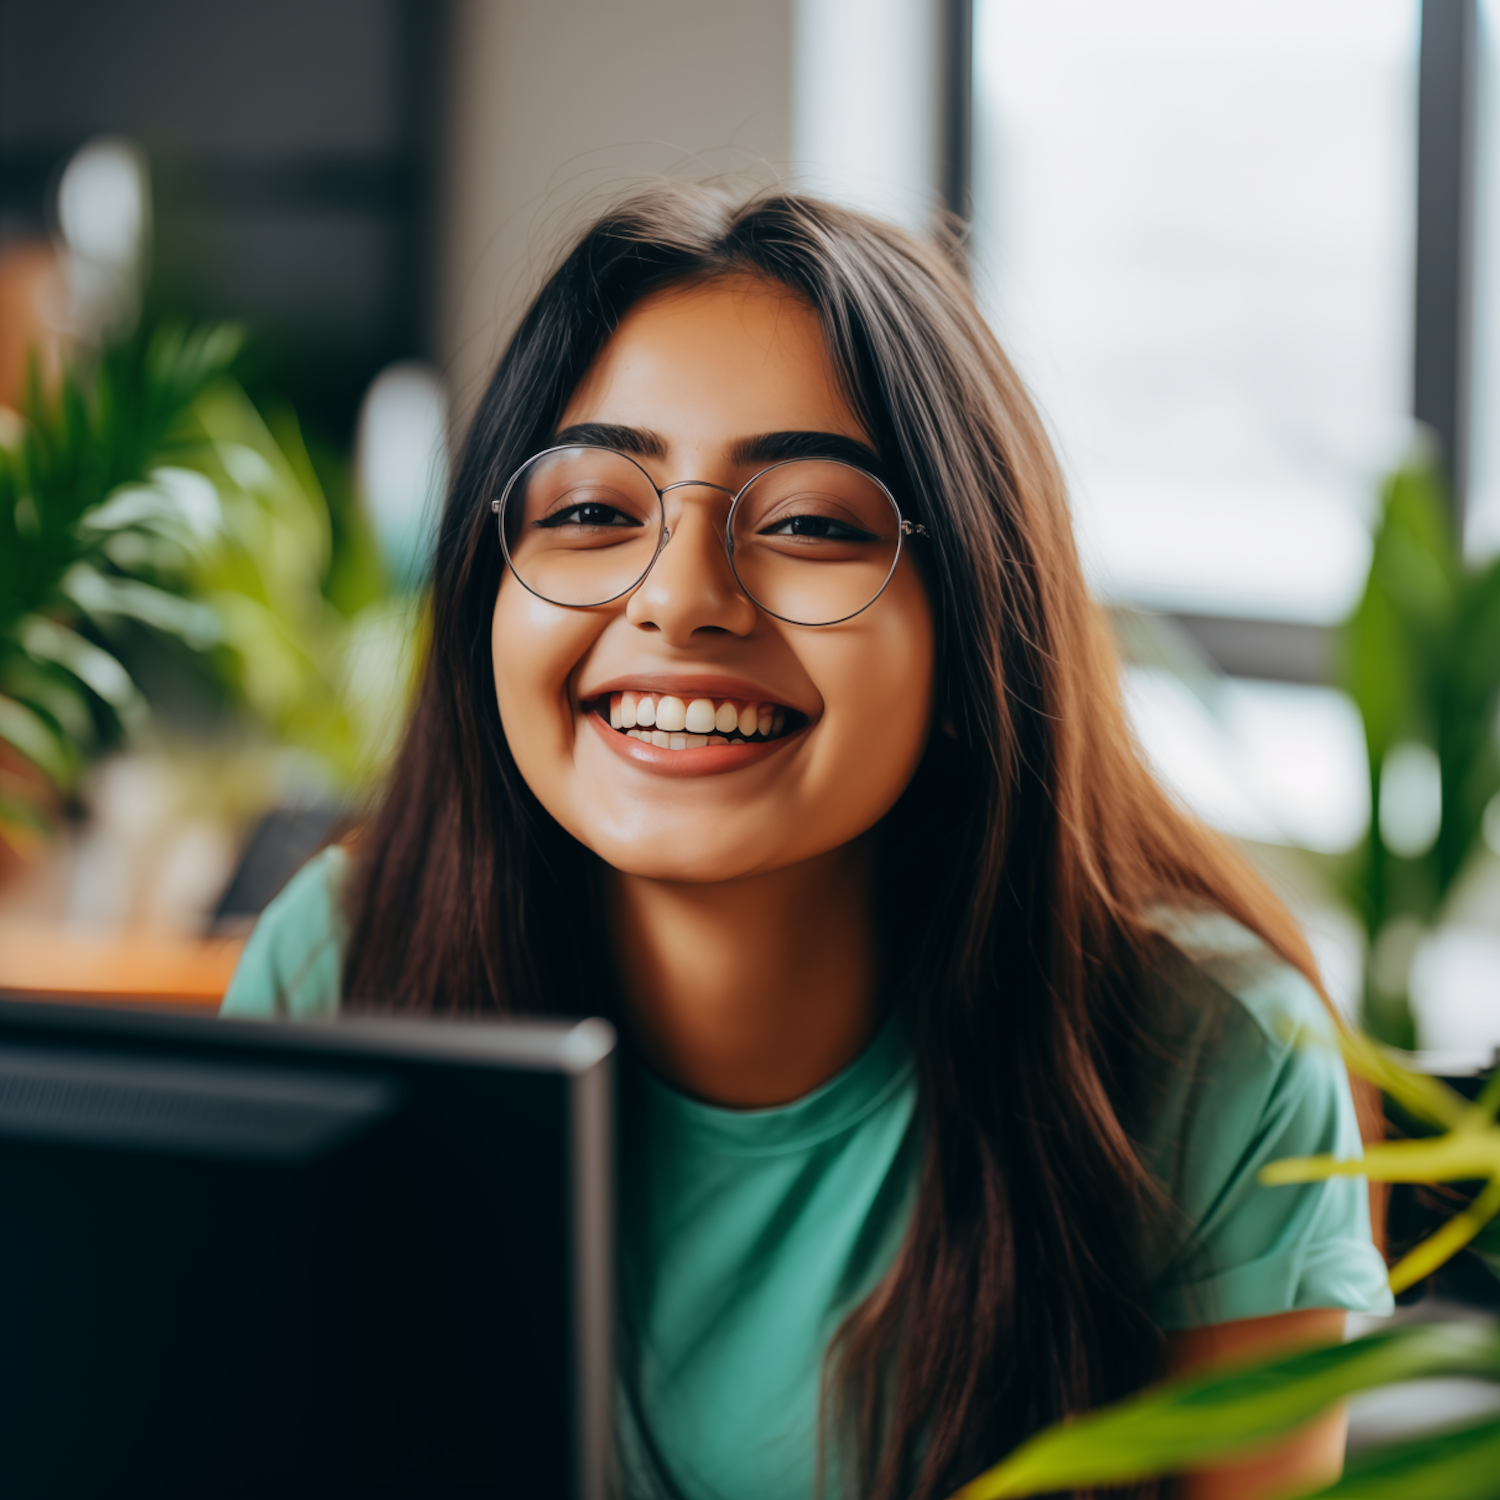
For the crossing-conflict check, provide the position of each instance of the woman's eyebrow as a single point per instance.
(637, 440)
(777, 447)
(764, 448)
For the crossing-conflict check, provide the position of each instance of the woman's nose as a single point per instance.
(691, 586)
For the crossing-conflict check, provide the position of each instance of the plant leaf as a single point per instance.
(1185, 1424)
(1487, 1104)
(1458, 1156)
(29, 733)
(46, 640)
(1422, 1096)
(100, 596)
(1439, 1248)
(1459, 1465)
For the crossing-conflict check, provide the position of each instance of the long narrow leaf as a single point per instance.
(100, 597)
(1458, 1156)
(46, 640)
(1422, 1096)
(1186, 1424)
(1487, 1104)
(1439, 1248)
(1461, 1465)
(36, 740)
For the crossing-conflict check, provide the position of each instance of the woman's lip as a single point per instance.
(711, 760)
(699, 687)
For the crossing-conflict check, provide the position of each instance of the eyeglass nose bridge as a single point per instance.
(682, 484)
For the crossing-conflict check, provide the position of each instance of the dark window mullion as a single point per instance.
(1446, 116)
(958, 109)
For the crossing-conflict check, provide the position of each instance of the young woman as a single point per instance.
(767, 712)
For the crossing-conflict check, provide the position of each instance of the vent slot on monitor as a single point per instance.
(183, 1107)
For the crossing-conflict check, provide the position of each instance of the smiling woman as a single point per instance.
(767, 713)
(713, 372)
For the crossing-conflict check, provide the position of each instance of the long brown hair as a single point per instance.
(1019, 866)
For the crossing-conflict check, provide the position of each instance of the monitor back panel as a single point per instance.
(264, 1270)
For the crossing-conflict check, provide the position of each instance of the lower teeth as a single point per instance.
(664, 741)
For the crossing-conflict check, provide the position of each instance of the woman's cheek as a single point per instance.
(882, 687)
(536, 647)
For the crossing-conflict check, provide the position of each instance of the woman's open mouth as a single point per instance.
(672, 723)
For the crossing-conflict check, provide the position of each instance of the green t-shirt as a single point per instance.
(747, 1235)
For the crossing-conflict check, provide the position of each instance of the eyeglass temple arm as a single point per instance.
(910, 528)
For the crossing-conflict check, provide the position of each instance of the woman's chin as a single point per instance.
(714, 862)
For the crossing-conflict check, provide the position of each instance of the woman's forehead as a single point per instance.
(705, 365)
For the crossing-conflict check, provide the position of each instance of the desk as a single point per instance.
(68, 963)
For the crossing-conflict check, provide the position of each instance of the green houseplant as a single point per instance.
(145, 492)
(1421, 659)
(1204, 1419)
(78, 550)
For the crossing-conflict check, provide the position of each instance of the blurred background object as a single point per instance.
(401, 463)
(1241, 254)
(1195, 224)
(291, 151)
(207, 608)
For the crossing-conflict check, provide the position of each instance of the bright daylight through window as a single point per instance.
(1194, 229)
(1194, 232)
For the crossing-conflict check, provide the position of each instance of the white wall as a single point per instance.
(557, 105)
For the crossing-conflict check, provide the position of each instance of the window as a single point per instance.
(1230, 247)
(1194, 232)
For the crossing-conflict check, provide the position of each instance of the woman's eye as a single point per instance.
(590, 514)
(819, 526)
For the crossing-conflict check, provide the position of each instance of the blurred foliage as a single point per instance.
(320, 676)
(1208, 1419)
(76, 550)
(1465, 1148)
(1421, 658)
(145, 497)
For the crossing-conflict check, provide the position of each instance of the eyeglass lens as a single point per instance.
(812, 541)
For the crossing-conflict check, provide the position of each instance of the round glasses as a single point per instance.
(812, 541)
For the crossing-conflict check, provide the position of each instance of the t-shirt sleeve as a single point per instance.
(292, 966)
(1271, 1085)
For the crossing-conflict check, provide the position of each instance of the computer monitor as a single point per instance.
(251, 1258)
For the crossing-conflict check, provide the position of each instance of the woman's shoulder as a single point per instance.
(293, 962)
(1253, 1074)
(1229, 981)
(1234, 1027)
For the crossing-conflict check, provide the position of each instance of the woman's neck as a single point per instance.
(752, 992)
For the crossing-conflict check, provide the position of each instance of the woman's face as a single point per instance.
(695, 377)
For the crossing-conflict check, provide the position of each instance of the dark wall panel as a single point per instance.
(277, 76)
(291, 143)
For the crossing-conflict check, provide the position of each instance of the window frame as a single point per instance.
(1442, 304)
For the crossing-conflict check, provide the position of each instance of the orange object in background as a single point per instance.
(65, 963)
(30, 290)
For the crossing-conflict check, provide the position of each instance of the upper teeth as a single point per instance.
(695, 722)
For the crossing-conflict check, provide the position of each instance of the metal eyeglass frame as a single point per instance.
(904, 528)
